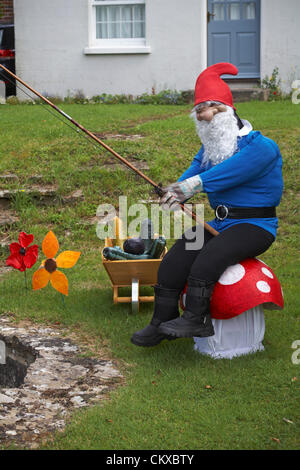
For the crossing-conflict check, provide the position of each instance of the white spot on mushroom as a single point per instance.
(263, 286)
(267, 272)
(232, 275)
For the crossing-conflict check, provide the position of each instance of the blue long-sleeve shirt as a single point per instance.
(252, 177)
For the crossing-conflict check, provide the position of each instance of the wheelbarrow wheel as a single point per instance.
(135, 302)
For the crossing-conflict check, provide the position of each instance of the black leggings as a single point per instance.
(231, 246)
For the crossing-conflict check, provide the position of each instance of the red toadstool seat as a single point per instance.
(237, 303)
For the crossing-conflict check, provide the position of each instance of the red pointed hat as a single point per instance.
(210, 86)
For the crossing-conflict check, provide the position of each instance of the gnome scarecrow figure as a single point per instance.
(241, 172)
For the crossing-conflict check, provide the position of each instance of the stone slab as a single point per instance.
(59, 381)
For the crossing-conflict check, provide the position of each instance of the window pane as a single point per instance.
(139, 12)
(234, 11)
(114, 13)
(101, 31)
(249, 11)
(120, 21)
(139, 21)
(218, 11)
(127, 13)
(127, 21)
(101, 13)
(139, 30)
(126, 30)
(114, 30)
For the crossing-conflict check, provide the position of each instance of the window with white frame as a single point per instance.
(116, 23)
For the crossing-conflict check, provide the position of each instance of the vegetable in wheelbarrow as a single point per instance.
(116, 253)
(135, 246)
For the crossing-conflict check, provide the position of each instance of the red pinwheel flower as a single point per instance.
(22, 255)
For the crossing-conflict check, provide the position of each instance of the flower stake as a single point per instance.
(48, 270)
(22, 255)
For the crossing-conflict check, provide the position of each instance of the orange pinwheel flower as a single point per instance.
(48, 270)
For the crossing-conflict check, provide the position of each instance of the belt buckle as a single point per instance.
(226, 212)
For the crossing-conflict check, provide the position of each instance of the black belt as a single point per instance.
(222, 212)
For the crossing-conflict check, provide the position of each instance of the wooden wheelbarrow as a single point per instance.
(134, 273)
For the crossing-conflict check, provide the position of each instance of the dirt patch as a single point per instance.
(112, 163)
(140, 165)
(8, 218)
(9, 178)
(43, 195)
(133, 137)
(4, 270)
(161, 117)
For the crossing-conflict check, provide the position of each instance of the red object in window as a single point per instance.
(22, 255)
(7, 53)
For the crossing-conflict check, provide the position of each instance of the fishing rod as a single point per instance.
(157, 187)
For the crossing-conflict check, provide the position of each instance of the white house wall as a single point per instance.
(51, 37)
(280, 39)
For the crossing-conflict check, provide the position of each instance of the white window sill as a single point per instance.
(117, 50)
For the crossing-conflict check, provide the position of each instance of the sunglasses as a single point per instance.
(208, 104)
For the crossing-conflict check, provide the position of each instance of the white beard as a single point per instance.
(219, 136)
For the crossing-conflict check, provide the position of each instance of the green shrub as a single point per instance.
(273, 84)
(105, 98)
(12, 100)
(164, 97)
(76, 98)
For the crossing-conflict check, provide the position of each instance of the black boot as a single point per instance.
(165, 308)
(196, 319)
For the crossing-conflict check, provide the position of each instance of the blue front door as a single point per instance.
(234, 35)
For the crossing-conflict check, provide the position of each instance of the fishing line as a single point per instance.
(92, 136)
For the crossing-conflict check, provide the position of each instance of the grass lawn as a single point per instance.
(173, 398)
